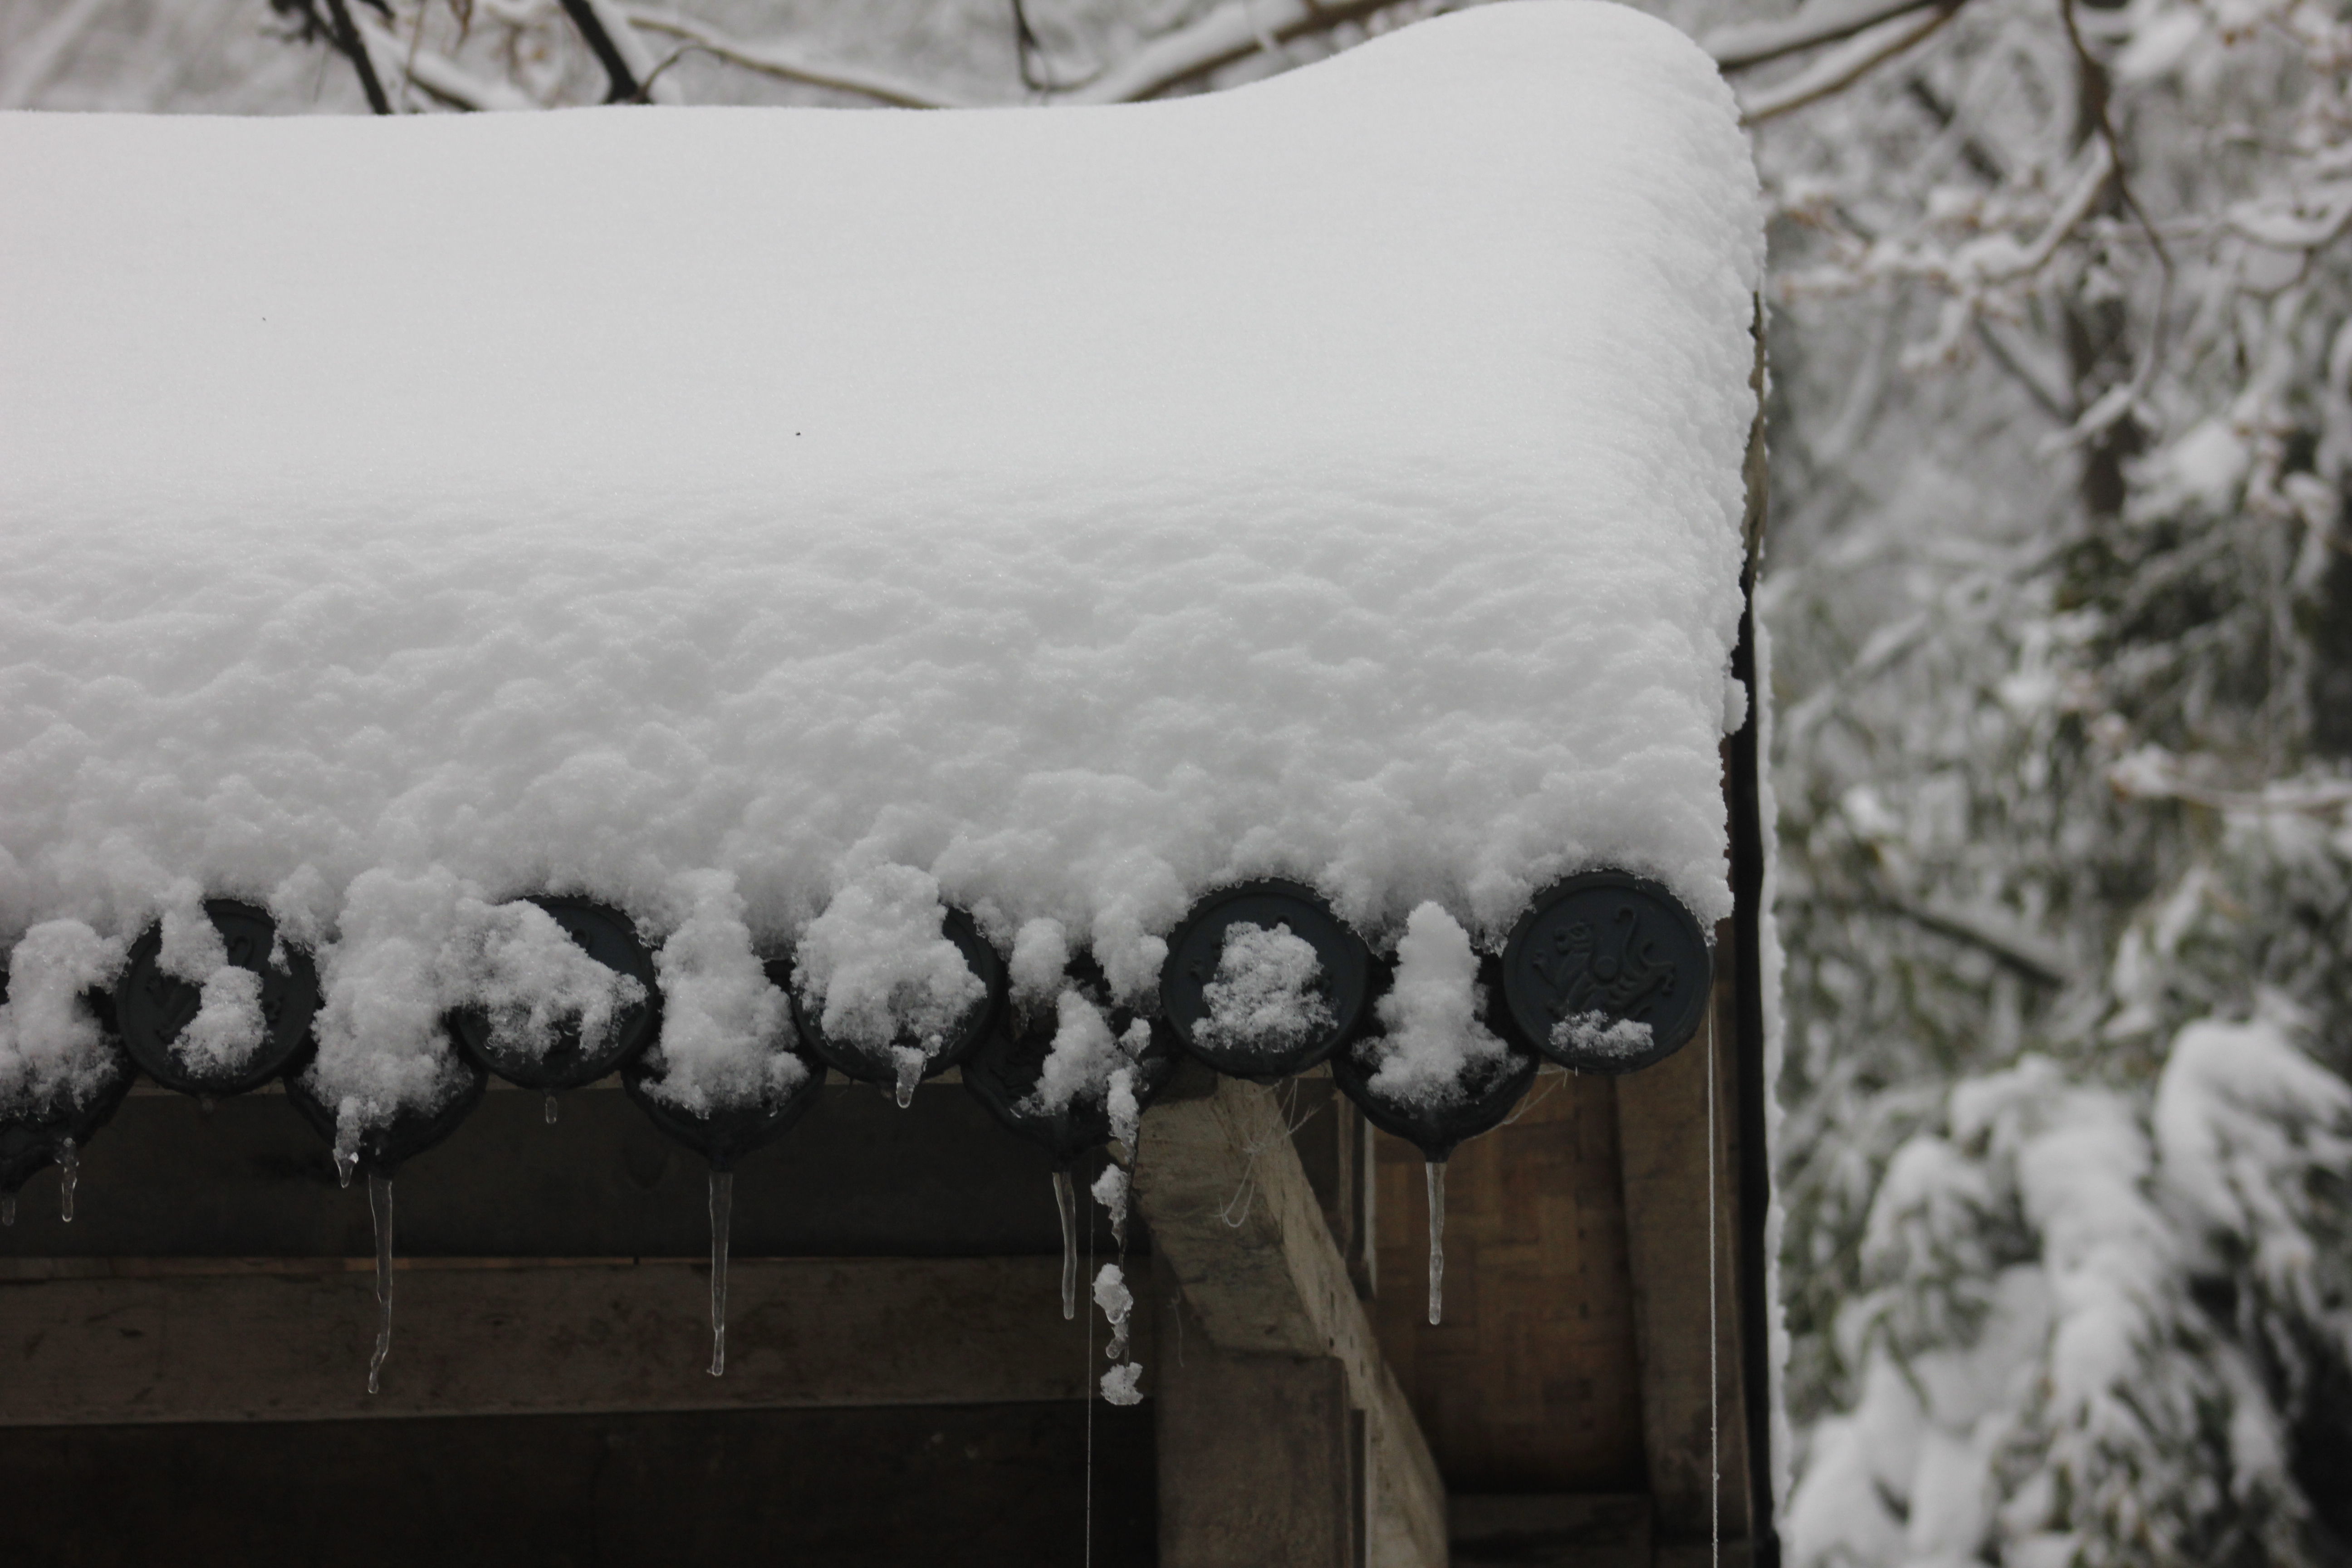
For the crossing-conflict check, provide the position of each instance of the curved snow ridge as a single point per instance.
(1336, 479)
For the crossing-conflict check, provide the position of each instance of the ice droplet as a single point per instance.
(911, 1063)
(1118, 1384)
(1110, 1190)
(68, 1175)
(1436, 1169)
(1118, 1303)
(1066, 1198)
(551, 1107)
(346, 1162)
(380, 1210)
(722, 1208)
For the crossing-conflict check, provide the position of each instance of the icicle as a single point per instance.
(1436, 1240)
(206, 1103)
(380, 1209)
(911, 1063)
(7, 1208)
(346, 1162)
(722, 1208)
(1066, 1198)
(68, 1173)
(551, 1107)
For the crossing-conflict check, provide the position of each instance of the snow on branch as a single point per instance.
(1842, 68)
(434, 74)
(780, 61)
(1746, 44)
(1231, 32)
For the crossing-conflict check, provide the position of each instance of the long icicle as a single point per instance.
(1066, 1198)
(380, 1209)
(68, 1176)
(722, 1211)
(1436, 1169)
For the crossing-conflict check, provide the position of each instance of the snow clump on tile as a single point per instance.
(1435, 1045)
(727, 1030)
(386, 988)
(228, 1027)
(1086, 1061)
(879, 969)
(1263, 996)
(53, 1050)
(533, 983)
(1597, 1036)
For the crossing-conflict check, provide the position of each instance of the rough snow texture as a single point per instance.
(228, 1026)
(1086, 1061)
(877, 969)
(535, 983)
(51, 1046)
(727, 1034)
(1263, 996)
(1599, 1035)
(1433, 1044)
(1339, 478)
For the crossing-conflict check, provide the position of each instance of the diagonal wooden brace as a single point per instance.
(1236, 1228)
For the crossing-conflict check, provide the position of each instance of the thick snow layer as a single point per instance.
(1339, 478)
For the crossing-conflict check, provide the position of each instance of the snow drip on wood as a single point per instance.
(1057, 513)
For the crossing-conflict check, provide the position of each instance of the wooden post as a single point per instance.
(1259, 1376)
(1690, 1446)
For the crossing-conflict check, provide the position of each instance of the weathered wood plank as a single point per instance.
(1663, 1140)
(1539, 1529)
(1235, 1223)
(282, 1341)
(1256, 1466)
(1530, 1384)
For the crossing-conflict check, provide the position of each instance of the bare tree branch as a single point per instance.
(628, 65)
(1842, 68)
(1234, 31)
(1746, 44)
(346, 39)
(434, 74)
(2029, 954)
(786, 64)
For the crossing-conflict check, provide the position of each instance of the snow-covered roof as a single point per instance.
(1337, 477)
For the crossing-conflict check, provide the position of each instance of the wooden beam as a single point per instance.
(1553, 1530)
(1662, 1143)
(281, 1340)
(1235, 1225)
(1255, 1455)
